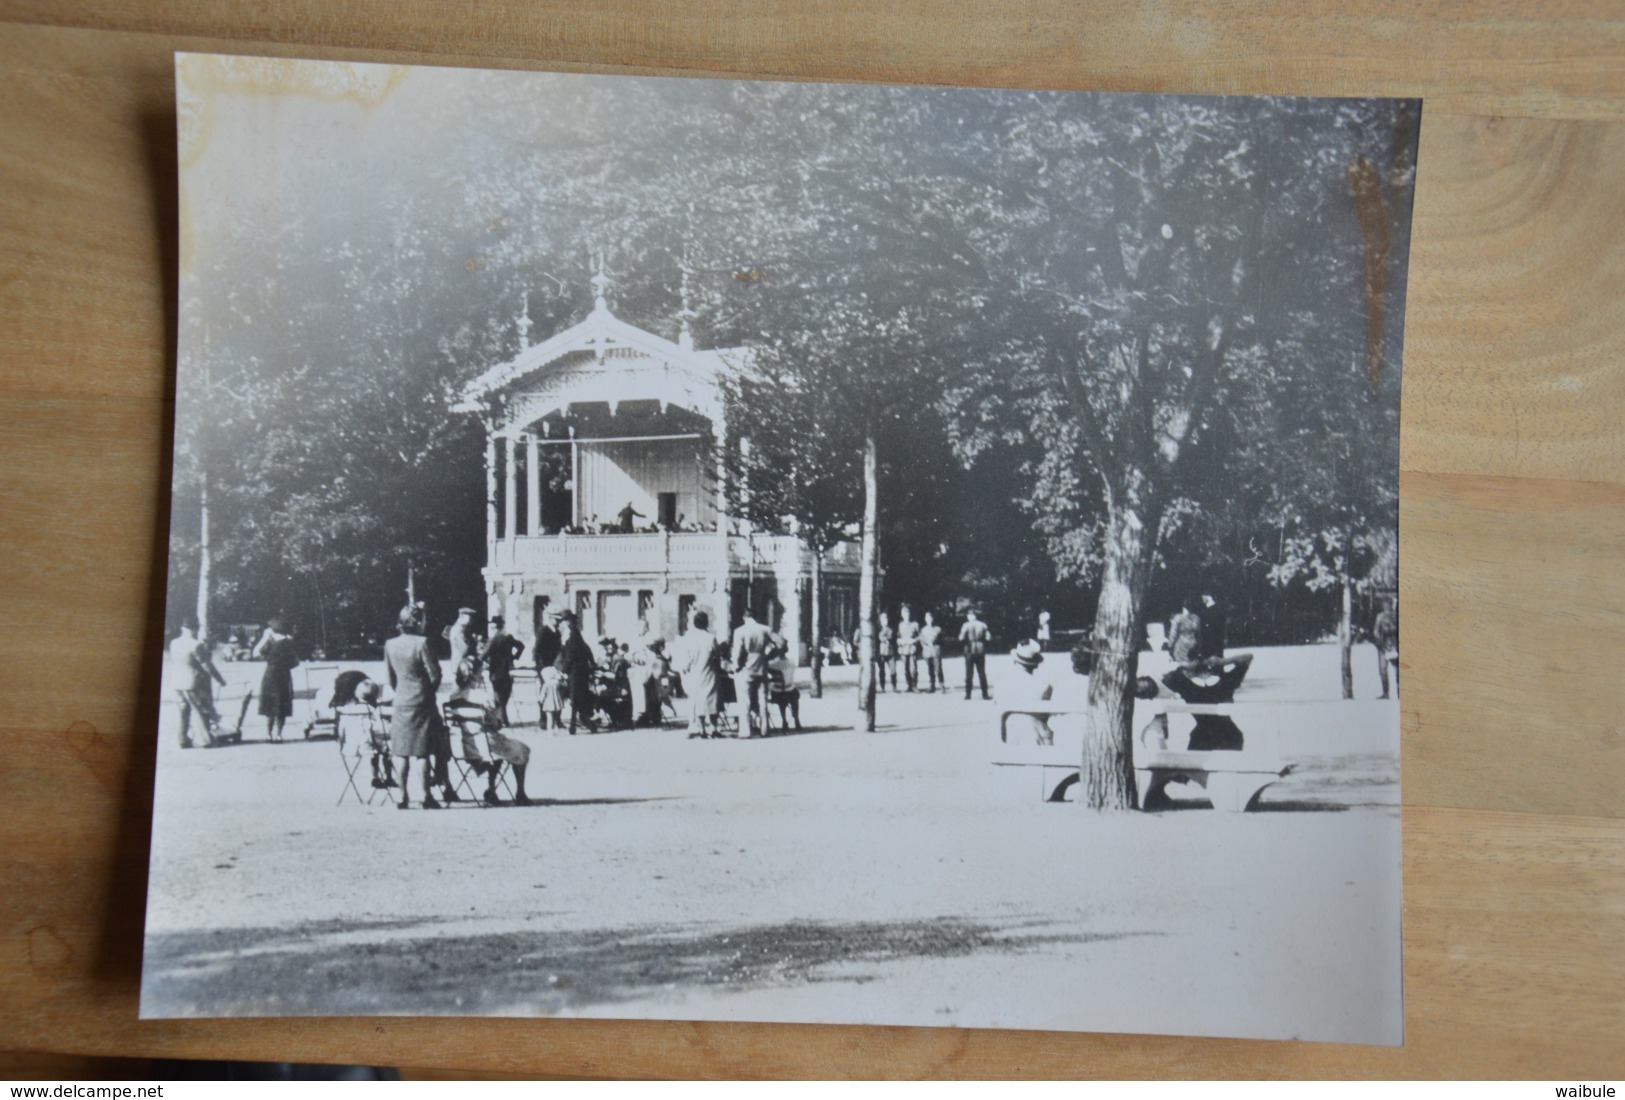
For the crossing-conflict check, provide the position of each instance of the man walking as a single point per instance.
(500, 652)
(751, 642)
(974, 635)
(193, 675)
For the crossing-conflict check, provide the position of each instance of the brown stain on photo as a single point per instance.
(202, 81)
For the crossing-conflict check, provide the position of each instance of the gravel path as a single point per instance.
(827, 876)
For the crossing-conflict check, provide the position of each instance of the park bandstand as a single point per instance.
(604, 416)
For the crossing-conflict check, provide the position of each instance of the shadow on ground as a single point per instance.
(381, 968)
(1318, 785)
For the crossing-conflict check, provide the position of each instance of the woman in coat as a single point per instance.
(275, 648)
(699, 662)
(415, 730)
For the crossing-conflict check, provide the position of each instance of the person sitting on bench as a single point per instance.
(475, 703)
(781, 684)
(1205, 684)
(1025, 689)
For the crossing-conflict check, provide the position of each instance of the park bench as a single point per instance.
(1233, 779)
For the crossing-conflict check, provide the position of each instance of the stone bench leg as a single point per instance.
(1056, 781)
(1149, 784)
(1235, 793)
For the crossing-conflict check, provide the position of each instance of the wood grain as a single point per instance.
(1513, 504)
(1551, 60)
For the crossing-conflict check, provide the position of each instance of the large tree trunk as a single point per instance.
(1108, 748)
(817, 625)
(205, 562)
(866, 591)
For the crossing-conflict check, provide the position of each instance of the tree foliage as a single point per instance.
(1095, 339)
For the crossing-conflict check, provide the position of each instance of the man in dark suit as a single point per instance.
(974, 636)
(575, 664)
(500, 652)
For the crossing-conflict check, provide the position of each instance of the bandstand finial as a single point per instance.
(685, 334)
(600, 283)
(524, 323)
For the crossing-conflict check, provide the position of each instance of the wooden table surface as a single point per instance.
(1512, 517)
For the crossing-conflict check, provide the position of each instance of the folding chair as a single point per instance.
(313, 680)
(361, 735)
(466, 725)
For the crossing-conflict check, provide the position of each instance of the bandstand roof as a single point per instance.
(601, 359)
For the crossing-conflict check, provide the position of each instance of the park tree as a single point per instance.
(1181, 266)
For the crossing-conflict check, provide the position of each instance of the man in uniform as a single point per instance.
(974, 635)
(931, 652)
(908, 648)
(500, 652)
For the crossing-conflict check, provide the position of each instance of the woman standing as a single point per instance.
(275, 648)
(414, 673)
(699, 662)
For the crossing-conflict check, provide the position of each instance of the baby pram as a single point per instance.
(212, 712)
(323, 721)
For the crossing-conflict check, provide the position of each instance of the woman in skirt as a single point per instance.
(416, 729)
(275, 648)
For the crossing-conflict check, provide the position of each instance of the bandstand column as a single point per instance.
(533, 486)
(575, 480)
(510, 491)
(490, 491)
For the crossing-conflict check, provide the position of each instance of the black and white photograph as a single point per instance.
(699, 549)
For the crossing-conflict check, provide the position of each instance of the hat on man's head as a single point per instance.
(1028, 655)
(466, 611)
(499, 620)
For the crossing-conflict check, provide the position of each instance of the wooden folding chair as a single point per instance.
(467, 721)
(361, 734)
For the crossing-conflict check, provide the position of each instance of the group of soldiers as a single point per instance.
(913, 645)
